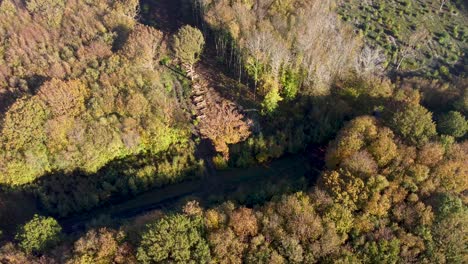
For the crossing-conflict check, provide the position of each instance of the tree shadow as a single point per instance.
(66, 193)
(165, 15)
(123, 33)
(35, 82)
(17, 206)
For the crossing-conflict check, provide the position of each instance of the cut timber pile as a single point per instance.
(219, 119)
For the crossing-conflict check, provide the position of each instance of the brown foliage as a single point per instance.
(102, 246)
(143, 44)
(64, 98)
(243, 222)
(224, 125)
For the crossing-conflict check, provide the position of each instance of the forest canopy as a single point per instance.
(228, 131)
(88, 85)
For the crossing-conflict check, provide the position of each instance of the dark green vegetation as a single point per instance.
(226, 110)
(176, 239)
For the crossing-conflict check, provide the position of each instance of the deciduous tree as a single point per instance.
(39, 234)
(453, 124)
(176, 238)
(414, 123)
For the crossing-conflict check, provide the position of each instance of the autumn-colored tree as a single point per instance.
(243, 222)
(451, 173)
(226, 247)
(142, 46)
(11, 254)
(102, 246)
(50, 10)
(354, 137)
(224, 125)
(64, 98)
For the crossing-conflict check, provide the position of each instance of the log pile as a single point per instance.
(219, 119)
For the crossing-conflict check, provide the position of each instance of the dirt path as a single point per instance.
(233, 184)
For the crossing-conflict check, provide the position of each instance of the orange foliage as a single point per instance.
(64, 97)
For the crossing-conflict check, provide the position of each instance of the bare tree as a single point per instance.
(370, 61)
(326, 47)
(278, 54)
(261, 8)
(409, 50)
(257, 45)
(442, 4)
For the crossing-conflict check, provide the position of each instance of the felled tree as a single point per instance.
(409, 49)
(224, 125)
(188, 44)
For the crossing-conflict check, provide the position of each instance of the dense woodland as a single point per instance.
(101, 101)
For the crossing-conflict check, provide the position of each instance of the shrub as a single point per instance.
(220, 162)
(444, 71)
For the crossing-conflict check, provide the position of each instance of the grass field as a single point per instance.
(390, 24)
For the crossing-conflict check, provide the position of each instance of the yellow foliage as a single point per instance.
(383, 148)
(351, 139)
(23, 124)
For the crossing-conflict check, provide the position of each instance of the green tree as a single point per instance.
(451, 237)
(188, 44)
(39, 234)
(453, 124)
(447, 204)
(270, 103)
(174, 239)
(414, 123)
(383, 251)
